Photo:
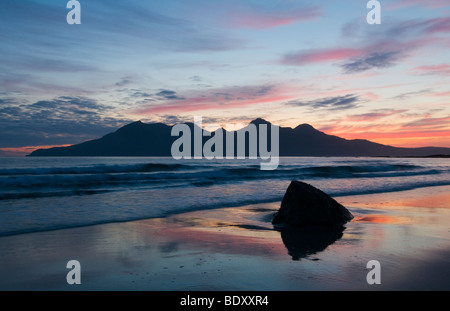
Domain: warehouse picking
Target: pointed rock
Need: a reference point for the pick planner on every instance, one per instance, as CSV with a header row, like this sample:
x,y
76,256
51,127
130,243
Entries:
x,y
305,205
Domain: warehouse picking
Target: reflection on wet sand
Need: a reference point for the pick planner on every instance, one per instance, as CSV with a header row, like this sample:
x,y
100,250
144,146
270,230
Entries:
x,y
248,231
302,242
386,219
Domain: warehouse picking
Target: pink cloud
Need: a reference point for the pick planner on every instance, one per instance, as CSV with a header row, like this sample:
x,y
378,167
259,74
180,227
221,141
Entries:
x,y
438,25
429,123
220,99
443,94
374,116
375,55
372,96
319,56
442,69
367,92
262,18
429,3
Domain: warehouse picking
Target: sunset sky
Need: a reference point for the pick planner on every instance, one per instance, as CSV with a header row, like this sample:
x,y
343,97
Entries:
x,y
287,61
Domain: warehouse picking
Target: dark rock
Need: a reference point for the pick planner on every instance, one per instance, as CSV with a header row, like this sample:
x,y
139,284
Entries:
x,y
305,205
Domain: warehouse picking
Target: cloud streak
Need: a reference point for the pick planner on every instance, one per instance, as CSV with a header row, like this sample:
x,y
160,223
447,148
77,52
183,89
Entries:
x,y
330,103
434,4
219,99
429,123
377,60
442,70
319,56
375,116
353,60
262,18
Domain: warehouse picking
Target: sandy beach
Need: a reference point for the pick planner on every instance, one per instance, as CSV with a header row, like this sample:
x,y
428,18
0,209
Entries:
x,y
236,248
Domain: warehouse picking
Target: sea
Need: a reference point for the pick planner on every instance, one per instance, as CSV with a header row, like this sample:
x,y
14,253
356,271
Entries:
x,y
48,193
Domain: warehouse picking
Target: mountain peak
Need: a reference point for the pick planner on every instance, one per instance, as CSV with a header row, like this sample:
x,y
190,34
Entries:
x,y
305,126
134,124
137,125
259,121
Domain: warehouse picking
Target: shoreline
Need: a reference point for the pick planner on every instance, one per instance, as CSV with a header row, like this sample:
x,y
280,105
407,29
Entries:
x,y
236,248
175,213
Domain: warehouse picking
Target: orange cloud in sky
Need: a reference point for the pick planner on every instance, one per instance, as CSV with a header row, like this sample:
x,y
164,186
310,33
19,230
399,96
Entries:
x,y
393,127
393,136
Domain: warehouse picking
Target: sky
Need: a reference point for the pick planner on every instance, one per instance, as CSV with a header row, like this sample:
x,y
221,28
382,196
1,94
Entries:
x,y
287,61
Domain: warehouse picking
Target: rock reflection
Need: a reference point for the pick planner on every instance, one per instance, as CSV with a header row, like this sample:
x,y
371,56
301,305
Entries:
x,y
304,241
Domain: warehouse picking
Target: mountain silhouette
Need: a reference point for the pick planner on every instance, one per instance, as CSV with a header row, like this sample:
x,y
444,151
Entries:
x,y
154,139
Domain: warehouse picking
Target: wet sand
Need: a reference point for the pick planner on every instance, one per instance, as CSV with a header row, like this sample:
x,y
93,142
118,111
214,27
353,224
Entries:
x,y
237,248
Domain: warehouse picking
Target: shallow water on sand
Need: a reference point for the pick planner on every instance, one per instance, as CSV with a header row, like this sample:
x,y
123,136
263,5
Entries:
x,y
237,249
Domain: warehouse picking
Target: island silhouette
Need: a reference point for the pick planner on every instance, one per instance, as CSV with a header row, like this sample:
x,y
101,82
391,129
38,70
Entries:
x,y
155,140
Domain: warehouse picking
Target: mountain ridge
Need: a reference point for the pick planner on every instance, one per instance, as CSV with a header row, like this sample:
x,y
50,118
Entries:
x,y
154,139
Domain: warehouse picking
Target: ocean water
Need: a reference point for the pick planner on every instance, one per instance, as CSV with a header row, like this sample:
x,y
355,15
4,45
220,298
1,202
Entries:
x,y
38,194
